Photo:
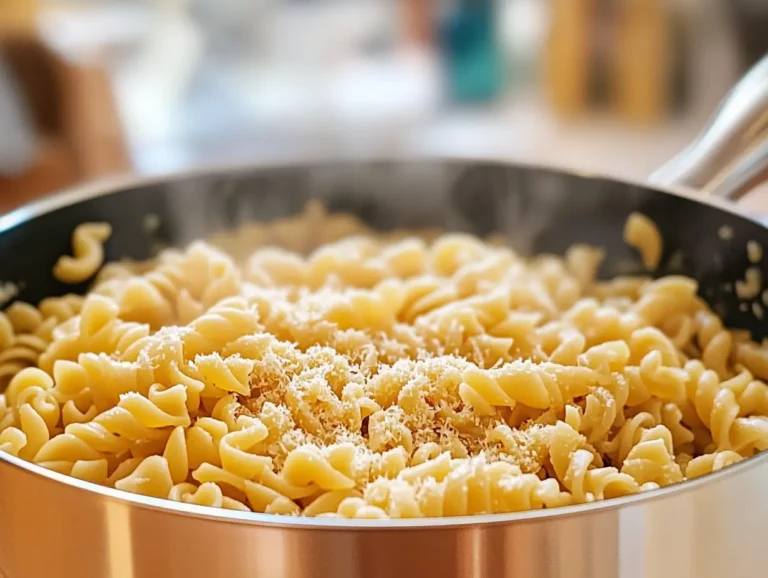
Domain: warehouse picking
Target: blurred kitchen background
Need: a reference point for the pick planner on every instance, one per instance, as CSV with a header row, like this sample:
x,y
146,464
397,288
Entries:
x,y
91,88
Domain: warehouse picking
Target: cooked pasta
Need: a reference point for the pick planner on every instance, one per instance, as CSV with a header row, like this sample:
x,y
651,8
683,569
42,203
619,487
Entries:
x,y
375,377
643,234
87,243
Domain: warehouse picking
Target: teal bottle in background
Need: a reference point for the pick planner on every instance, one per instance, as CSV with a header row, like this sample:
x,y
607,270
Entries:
x,y
471,54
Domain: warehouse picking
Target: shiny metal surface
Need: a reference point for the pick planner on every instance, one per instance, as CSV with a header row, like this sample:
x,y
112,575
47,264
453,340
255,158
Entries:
x,y
744,175
740,122
707,529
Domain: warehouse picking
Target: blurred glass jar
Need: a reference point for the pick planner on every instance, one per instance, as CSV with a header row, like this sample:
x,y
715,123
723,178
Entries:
x,y
470,49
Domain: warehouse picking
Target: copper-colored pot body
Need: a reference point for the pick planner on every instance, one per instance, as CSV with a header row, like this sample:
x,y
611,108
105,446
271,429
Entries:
x,y
712,528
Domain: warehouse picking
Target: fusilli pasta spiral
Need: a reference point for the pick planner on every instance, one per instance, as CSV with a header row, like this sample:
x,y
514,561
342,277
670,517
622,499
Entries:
x,y
87,241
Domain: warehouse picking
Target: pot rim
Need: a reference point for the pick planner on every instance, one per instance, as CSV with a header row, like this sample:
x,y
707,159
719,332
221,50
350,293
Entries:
x,y
109,185
112,185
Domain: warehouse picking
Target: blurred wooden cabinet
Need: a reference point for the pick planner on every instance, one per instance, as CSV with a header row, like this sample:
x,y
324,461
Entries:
x,y
79,131
17,17
611,54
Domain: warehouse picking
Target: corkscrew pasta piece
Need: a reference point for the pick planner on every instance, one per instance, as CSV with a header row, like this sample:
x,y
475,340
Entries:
x,y
377,376
25,333
574,466
455,488
221,324
751,394
714,342
666,297
206,494
223,375
12,440
599,323
716,407
61,308
87,241
651,460
682,436
643,234
152,477
538,386
708,463
599,415
329,470
329,502
655,378
234,451
754,357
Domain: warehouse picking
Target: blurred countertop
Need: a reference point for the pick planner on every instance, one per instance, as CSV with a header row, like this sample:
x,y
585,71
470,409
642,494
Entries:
x,y
182,107
520,131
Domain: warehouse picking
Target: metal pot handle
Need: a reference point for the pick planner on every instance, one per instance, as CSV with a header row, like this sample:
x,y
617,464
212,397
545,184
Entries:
x,y
730,156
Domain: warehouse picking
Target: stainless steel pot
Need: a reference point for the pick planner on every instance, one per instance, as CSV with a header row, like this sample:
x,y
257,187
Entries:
x,y
713,527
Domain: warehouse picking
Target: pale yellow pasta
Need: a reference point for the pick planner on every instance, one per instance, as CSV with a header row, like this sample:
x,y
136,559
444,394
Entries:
x,y
651,460
643,234
707,463
152,477
329,502
751,286
754,251
26,332
206,494
575,468
87,241
337,373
